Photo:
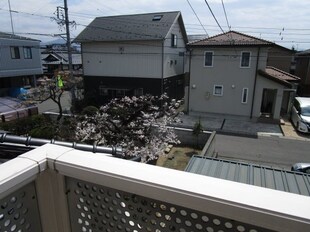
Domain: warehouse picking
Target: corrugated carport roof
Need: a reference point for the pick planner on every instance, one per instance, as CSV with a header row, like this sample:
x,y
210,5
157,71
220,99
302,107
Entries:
x,y
261,176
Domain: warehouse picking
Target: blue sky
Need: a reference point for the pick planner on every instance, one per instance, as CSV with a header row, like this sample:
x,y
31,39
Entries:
x,y
286,22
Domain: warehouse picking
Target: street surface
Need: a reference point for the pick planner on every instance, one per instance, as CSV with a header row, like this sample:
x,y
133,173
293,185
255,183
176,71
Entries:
x,y
278,152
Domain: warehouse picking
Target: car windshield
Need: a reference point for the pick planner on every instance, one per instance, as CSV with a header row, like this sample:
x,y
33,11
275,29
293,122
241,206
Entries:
x,y
305,111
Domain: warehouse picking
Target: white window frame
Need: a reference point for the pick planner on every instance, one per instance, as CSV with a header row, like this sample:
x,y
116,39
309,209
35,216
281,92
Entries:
x,y
249,59
27,52
217,94
245,90
204,59
15,52
174,40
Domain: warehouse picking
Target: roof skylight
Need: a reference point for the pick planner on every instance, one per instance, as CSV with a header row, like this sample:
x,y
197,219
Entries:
x,y
157,17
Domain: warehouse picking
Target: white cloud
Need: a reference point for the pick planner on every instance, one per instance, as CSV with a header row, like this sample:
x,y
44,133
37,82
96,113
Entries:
x,y
289,14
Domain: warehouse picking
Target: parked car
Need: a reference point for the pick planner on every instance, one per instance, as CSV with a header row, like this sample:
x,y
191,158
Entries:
x,y
300,115
301,167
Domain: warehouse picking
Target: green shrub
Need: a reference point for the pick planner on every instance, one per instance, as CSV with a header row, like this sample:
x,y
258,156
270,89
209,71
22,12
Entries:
x,y
89,110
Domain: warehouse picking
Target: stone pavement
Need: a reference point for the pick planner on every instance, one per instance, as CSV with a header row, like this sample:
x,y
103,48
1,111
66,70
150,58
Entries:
x,y
231,125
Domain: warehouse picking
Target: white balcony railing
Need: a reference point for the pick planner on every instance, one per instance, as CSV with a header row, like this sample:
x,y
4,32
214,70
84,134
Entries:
x,y
55,188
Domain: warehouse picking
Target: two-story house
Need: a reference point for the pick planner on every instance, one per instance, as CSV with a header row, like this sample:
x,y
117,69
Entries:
x,y
229,76
20,62
134,55
303,71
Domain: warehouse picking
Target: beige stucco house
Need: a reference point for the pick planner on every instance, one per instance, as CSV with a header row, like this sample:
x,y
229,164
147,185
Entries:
x,y
229,76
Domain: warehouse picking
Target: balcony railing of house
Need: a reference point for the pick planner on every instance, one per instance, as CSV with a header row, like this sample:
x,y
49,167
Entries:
x,y
54,188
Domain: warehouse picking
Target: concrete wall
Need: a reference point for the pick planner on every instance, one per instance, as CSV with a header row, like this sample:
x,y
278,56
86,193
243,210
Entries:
x,y
19,67
226,71
188,139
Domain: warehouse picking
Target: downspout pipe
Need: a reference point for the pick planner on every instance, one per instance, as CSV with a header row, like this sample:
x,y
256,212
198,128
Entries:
x,y
189,79
162,66
255,82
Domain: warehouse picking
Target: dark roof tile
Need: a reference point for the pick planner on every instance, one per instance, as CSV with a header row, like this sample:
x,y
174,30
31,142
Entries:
x,y
131,27
232,38
279,76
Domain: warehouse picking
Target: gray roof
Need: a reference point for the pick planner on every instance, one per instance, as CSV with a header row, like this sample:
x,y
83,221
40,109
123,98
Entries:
x,y
267,177
12,36
131,27
61,57
305,52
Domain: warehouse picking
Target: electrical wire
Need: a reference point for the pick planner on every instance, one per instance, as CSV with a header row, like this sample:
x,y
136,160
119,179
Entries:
x,y
197,17
228,26
214,16
258,28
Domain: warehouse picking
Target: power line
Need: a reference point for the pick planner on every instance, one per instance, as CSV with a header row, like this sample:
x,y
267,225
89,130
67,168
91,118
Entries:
x,y
197,17
259,28
214,16
225,15
189,24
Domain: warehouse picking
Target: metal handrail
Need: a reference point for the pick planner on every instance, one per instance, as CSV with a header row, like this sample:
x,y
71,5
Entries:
x,y
29,141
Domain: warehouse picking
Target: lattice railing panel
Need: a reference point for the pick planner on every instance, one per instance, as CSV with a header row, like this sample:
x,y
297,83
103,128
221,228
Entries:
x,y
19,211
98,208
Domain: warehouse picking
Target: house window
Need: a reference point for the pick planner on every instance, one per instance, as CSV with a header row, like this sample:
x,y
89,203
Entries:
x,y
120,92
15,53
208,59
245,59
245,92
103,91
27,53
139,92
174,40
218,90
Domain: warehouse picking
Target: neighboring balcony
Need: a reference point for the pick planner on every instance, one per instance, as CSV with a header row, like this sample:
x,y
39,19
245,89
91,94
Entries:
x,y
54,188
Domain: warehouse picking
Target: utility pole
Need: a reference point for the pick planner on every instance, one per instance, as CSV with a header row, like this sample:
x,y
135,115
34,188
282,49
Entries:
x,y
11,17
68,39
63,20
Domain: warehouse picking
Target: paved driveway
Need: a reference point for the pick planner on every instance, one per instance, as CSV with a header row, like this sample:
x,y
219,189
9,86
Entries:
x,y
289,131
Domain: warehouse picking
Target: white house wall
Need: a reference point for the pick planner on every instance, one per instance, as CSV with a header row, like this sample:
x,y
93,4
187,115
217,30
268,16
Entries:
x,y
19,67
226,71
123,59
173,61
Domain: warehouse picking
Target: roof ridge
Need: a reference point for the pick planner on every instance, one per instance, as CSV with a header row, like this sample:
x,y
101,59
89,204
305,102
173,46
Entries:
x,y
154,13
231,39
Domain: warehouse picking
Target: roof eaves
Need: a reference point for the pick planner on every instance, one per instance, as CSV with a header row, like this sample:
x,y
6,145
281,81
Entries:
x,y
284,73
275,79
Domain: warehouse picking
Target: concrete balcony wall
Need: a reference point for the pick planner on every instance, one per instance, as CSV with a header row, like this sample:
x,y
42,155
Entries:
x,y
73,190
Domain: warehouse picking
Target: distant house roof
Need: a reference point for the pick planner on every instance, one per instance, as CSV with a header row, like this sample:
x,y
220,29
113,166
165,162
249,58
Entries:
x,y
261,176
303,53
279,76
60,57
12,36
151,26
231,38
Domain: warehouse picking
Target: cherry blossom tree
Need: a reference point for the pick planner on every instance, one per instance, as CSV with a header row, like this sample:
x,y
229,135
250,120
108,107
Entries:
x,y
137,124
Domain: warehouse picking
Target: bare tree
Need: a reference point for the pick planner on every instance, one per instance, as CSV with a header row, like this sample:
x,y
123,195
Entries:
x,y
51,89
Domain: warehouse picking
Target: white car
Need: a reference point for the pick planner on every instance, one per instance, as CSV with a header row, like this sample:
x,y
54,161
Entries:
x,y
300,114
301,167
